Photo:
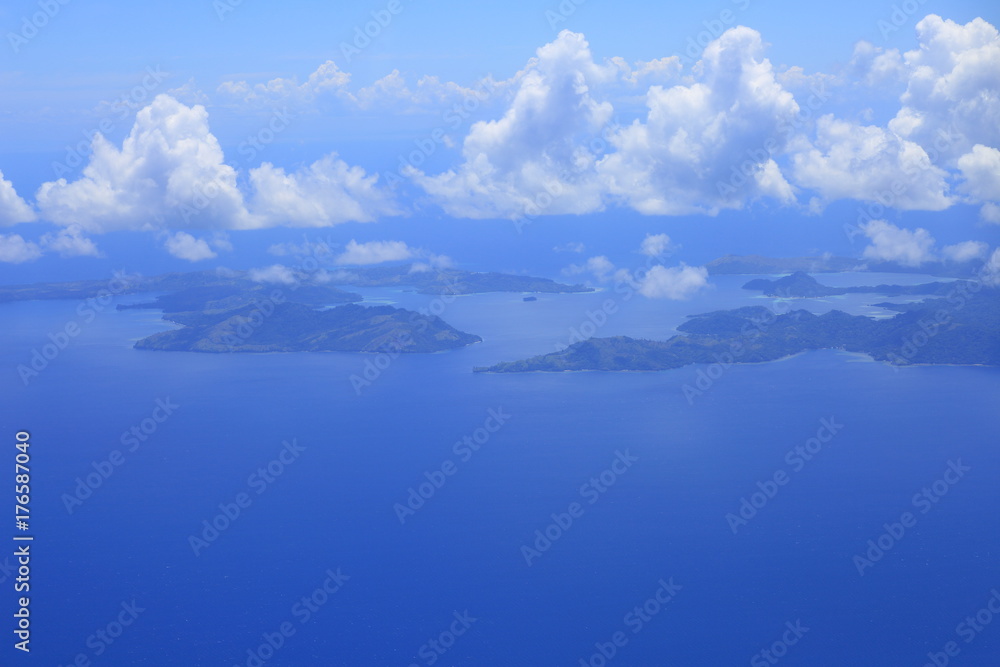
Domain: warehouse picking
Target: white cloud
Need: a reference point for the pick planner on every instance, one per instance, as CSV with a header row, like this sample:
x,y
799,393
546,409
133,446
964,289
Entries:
x,y
13,209
171,173
990,212
276,274
184,246
868,163
875,66
327,192
537,156
991,270
600,266
981,169
14,249
677,282
374,252
707,146
966,251
951,101
655,245
307,247
570,246
890,243
328,80
70,242
169,165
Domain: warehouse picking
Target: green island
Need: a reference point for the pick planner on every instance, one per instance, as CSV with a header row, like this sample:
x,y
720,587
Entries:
x,y
228,311
962,327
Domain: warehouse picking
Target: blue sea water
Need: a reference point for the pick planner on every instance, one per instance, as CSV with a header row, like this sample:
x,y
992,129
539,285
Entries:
x,y
461,555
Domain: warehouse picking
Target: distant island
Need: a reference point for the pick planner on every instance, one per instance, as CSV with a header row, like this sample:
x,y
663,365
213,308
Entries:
x,y
801,284
758,264
445,281
294,327
963,328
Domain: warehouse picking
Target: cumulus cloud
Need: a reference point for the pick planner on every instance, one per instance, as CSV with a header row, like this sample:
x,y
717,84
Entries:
x,y
981,169
991,270
170,164
850,161
875,66
13,209
707,146
965,251
951,102
275,274
655,245
15,250
327,192
327,80
538,155
171,173
990,212
374,252
890,243
676,283
70,242
600,266
184,246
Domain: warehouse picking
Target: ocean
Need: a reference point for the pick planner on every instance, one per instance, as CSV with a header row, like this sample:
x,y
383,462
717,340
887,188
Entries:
x,y
346,509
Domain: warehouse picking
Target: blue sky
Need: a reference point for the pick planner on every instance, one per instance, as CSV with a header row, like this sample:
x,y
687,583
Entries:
x,y
583,110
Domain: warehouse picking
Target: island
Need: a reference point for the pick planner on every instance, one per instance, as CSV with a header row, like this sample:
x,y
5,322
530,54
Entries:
x,y
241,311
294,327
802,285
962,328
758,264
